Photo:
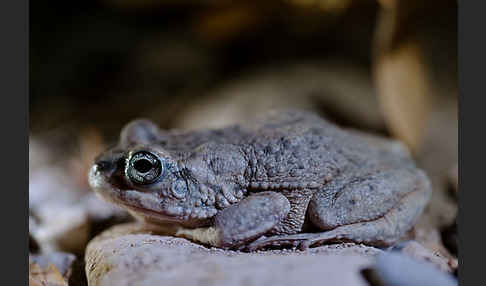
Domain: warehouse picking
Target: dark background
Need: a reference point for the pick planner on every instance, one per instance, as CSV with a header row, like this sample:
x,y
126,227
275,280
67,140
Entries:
x,y
109,61
387,67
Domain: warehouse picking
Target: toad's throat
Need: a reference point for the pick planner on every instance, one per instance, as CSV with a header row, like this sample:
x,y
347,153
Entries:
x,y
152,215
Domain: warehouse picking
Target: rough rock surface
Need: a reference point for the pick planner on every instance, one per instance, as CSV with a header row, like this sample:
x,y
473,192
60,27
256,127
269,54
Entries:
x,y
131,254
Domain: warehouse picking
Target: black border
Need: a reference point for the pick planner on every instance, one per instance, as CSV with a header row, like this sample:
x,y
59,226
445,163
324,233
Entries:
x,y
471,64
14,29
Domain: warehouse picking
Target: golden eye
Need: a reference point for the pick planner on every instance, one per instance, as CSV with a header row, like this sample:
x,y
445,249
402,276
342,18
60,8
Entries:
x,y
144,167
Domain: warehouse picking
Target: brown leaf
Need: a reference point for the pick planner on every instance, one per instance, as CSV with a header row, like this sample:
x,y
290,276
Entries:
x,y
223,23
49,276
403,91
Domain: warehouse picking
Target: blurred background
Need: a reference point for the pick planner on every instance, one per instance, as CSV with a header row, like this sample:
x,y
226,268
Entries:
x,y
383,66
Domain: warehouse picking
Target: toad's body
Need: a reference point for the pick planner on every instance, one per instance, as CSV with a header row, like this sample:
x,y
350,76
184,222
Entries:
x,y
289,178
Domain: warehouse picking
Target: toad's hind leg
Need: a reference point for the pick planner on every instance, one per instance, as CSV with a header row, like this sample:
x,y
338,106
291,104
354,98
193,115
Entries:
x,y
383,231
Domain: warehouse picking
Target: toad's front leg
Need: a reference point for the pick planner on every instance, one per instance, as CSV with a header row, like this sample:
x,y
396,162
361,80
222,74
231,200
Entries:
x,y
242,222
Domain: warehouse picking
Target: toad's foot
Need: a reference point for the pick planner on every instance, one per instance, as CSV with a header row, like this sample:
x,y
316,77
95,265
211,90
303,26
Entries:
x,y
301,241
357,233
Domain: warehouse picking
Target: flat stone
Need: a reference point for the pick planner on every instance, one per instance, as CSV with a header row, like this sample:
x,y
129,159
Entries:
x,y
130,254
398,269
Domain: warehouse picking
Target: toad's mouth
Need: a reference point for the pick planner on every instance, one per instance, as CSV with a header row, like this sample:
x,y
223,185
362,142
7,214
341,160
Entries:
x,y
152,216
141,205
138,210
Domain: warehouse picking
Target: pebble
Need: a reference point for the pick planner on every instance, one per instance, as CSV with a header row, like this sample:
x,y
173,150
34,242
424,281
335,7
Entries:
x,y
397,269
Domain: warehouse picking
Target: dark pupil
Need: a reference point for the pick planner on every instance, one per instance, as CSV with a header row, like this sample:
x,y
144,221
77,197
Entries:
x,y
143,165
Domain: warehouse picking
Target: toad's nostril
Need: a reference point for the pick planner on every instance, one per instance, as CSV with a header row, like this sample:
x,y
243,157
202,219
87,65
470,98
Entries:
x,y
104,165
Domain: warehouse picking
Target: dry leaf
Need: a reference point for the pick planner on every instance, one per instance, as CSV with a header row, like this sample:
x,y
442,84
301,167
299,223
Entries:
x,y
45,277
403,91
223,23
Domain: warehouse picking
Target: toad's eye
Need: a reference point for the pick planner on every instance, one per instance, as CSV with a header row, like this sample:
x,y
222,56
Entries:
x,y
143,167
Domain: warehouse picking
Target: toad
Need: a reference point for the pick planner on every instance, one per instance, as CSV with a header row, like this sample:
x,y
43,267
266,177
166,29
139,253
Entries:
x,y
289,178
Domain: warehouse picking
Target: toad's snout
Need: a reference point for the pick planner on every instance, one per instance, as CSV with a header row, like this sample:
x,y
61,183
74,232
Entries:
x,y
109,163
95,176
107,170
103,166
100,171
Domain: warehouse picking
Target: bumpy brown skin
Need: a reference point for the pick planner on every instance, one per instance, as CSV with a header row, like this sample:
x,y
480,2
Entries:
x,y
289,178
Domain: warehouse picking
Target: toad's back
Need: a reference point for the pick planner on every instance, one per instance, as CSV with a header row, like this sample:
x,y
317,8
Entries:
x,y
293,147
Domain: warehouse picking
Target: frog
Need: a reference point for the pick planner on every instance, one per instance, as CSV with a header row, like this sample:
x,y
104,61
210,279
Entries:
x,y
288,178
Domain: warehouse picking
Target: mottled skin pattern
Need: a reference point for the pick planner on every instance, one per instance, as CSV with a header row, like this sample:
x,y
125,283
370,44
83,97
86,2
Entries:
x,y
287,179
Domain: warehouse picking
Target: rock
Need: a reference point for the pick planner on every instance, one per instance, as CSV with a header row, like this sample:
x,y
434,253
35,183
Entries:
x,y
62,228
131,254
63,216
397,269
51,184
418,252
67,226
